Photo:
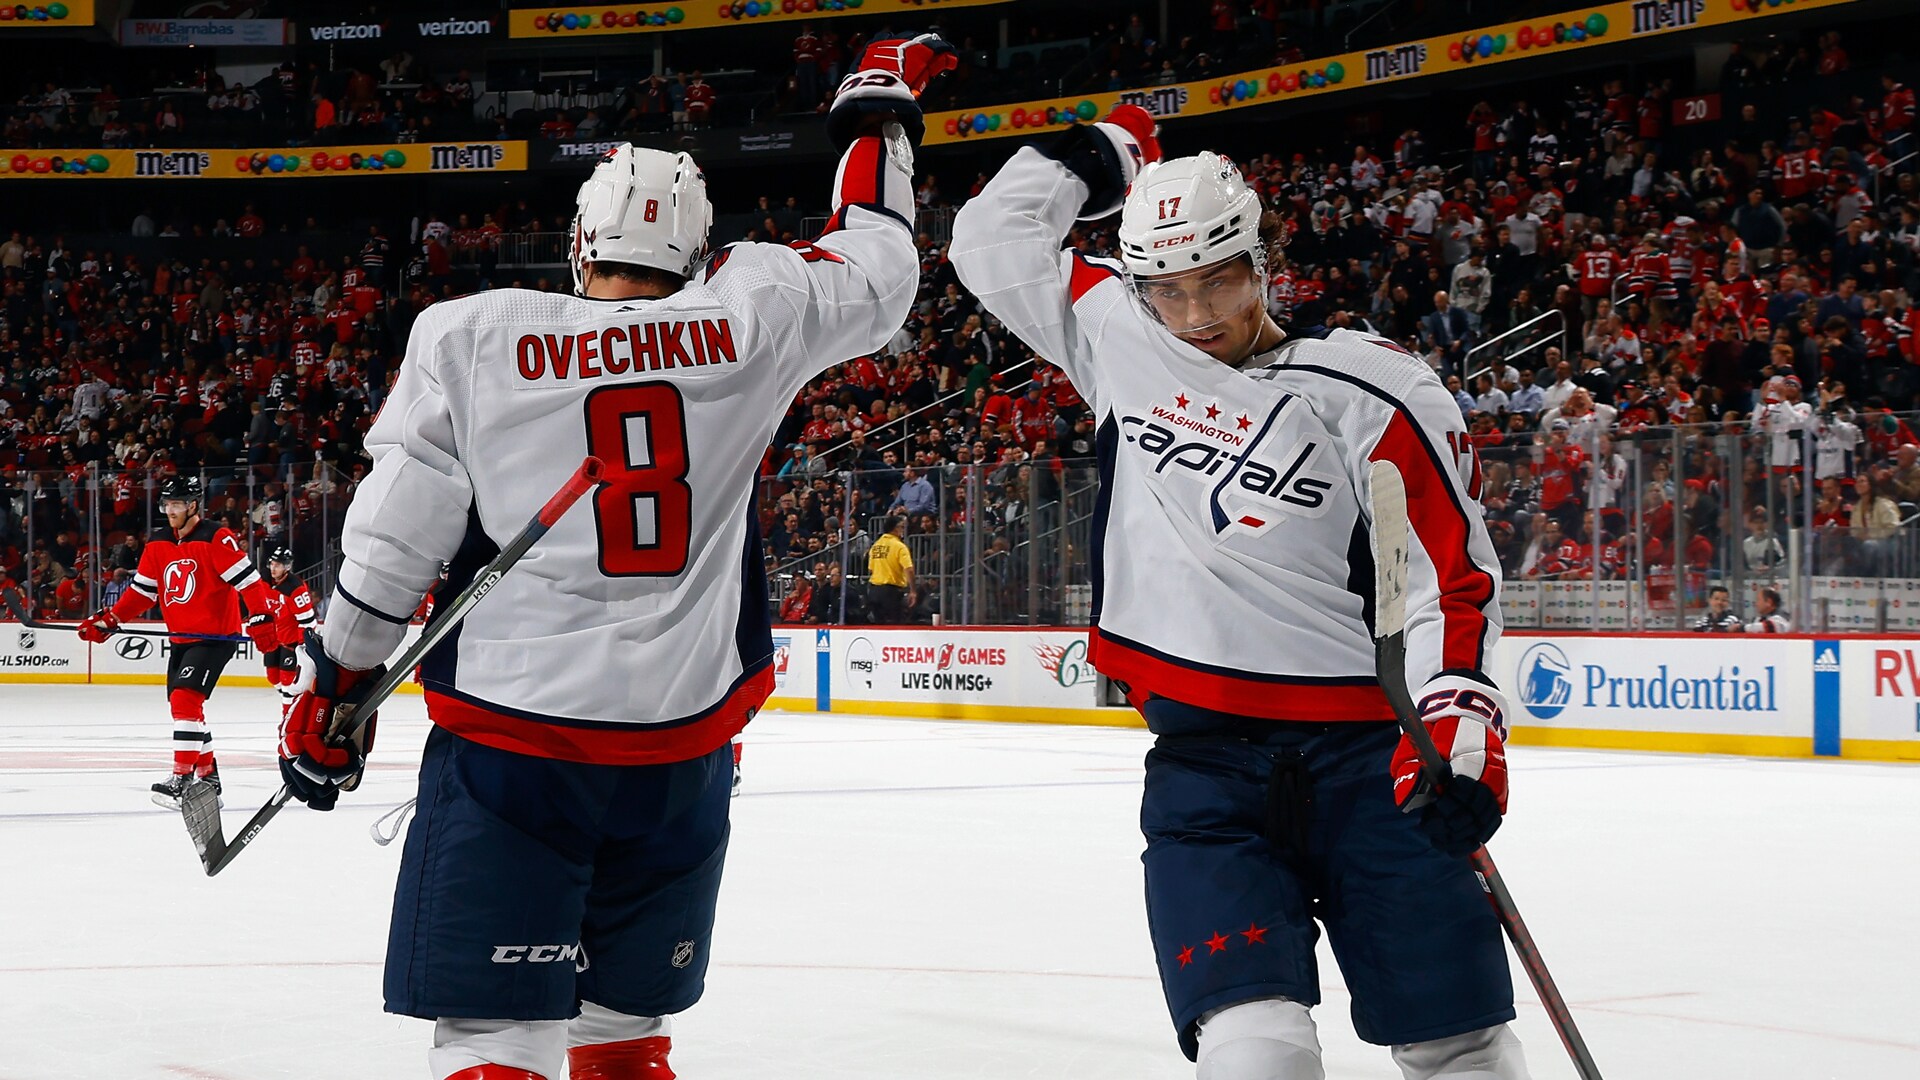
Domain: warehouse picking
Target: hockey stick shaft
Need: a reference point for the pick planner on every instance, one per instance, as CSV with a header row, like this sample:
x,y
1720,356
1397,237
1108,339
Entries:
x,y
32,623
1391,659
1392,539
348,720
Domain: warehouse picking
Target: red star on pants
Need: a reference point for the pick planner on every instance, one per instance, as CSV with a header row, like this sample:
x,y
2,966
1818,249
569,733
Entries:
x,y
1213,411
1181,400
1186,956
1255,935
1217,943
1244,422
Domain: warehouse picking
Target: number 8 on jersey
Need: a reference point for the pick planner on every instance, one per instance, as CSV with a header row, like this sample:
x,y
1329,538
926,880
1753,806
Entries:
x,y
643,509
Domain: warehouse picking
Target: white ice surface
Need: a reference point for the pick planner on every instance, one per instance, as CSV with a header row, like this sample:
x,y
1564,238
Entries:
x,y
929,901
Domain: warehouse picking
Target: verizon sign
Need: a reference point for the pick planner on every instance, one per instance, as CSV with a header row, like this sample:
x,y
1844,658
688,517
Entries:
x,y
347,32
456,28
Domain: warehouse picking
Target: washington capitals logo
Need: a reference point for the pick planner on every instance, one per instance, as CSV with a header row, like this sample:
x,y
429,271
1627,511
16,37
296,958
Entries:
x,y
1250,487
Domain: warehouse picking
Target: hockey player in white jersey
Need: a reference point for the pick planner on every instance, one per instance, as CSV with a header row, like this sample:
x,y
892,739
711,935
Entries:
x,y
556,896
1247,477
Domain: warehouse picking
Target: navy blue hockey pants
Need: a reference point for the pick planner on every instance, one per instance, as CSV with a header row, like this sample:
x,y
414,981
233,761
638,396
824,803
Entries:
x,y
529,884
1258,829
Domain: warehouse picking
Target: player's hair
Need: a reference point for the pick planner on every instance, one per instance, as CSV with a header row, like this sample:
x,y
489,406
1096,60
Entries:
x,y
1772,594
1275,231
639,275
1716,589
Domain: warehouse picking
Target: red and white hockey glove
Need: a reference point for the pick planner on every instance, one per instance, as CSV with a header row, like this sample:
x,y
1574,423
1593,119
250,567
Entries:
x,y
886,85
316,770
98,626
1108,155
1467,718
260,628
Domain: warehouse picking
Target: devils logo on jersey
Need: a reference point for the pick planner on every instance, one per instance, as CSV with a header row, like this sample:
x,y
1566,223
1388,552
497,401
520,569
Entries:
x,y
178,581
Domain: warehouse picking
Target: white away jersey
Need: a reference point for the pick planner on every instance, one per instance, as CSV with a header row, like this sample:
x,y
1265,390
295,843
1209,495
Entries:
x,y
1233,536
1786,424
635,631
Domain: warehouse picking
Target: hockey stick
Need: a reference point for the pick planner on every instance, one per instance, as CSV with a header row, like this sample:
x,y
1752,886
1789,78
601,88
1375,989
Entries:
x,y
200,805
32,623
1390,527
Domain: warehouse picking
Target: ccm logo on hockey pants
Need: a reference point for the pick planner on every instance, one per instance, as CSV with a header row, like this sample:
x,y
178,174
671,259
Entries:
x,y
535,954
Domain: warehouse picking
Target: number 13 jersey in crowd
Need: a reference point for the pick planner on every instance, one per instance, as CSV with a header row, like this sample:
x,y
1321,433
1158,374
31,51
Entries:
x,y
636,631
1233,537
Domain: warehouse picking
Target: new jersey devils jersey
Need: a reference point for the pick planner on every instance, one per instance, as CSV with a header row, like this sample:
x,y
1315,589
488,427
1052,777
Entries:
x,y
292,606
636,631
197,579
1233,538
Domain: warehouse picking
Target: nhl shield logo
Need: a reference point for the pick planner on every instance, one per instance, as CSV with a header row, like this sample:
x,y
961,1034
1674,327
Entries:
x,y
27,641
683,954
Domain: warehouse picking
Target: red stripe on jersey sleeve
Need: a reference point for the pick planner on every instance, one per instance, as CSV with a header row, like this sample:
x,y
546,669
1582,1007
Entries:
x,y
1268,699
1433,509
861,178
1085,276
639,745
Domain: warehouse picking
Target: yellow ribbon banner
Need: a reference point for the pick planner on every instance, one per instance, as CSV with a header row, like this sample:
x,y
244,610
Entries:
x,y
1543,35
194,164
702,15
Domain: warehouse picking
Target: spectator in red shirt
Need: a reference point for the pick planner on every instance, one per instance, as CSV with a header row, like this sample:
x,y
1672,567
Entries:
x,y
249,225
806,68
997,409
1032,417
700,101
1833,58
1896,116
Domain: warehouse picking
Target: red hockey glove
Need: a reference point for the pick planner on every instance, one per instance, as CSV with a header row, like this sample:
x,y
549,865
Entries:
x,y
1468,721
887,84
99,626
916,61
315,770
260,629
1140,126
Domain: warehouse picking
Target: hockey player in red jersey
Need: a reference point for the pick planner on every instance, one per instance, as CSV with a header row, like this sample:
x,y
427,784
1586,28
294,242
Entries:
x,y
198,573
1252,478
293,616
556,898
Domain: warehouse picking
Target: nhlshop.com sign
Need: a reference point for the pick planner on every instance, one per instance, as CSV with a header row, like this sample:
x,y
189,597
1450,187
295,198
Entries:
x,y
26,651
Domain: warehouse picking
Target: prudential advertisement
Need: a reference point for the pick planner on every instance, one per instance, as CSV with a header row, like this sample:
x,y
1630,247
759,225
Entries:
x,y
1726,685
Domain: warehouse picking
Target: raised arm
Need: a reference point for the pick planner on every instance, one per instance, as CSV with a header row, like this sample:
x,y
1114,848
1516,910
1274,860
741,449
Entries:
x,y
846,292
1006,240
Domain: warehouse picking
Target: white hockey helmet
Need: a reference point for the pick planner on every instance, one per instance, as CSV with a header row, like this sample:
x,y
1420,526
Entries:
x,y
1186,213
641,206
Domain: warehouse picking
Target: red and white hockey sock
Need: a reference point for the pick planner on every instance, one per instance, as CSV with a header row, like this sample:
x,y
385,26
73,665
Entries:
x,y
635,1059
603,1044
738,748
192,741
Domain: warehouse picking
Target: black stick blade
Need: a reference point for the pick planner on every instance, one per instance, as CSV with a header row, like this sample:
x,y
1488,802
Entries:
x,y
200,808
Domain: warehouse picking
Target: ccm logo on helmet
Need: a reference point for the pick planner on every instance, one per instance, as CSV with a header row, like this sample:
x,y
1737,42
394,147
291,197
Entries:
x,y
1174,241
